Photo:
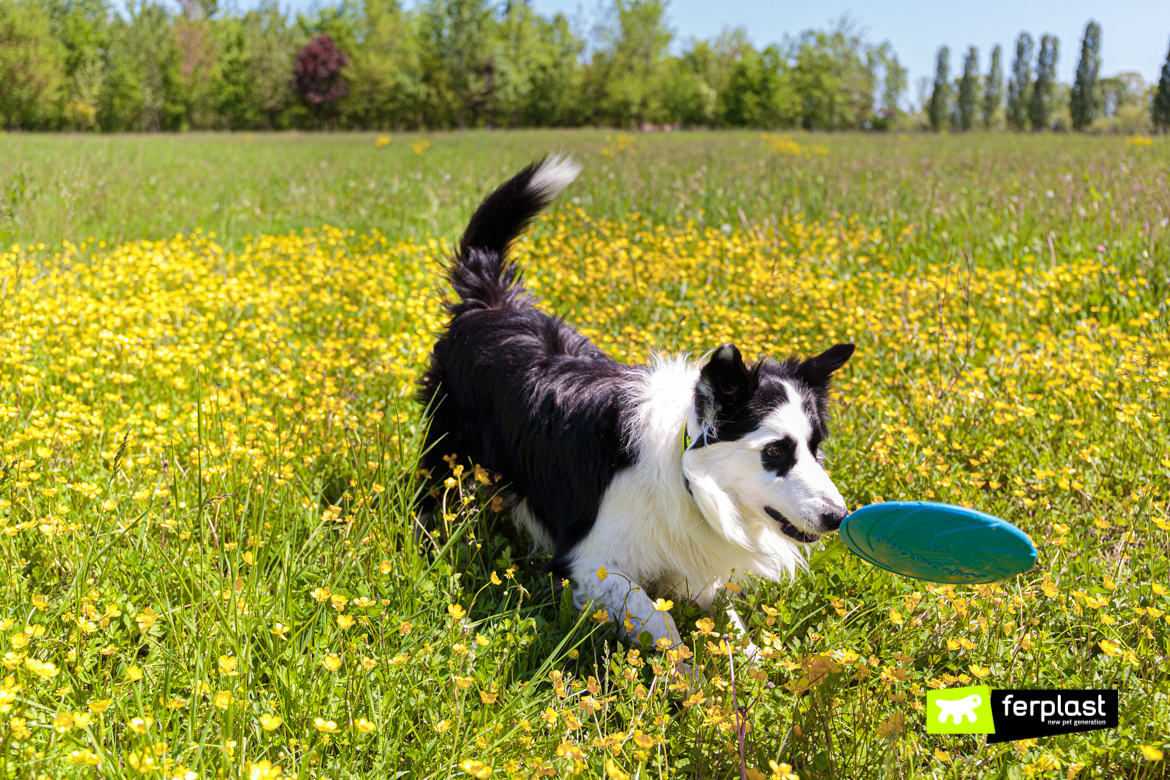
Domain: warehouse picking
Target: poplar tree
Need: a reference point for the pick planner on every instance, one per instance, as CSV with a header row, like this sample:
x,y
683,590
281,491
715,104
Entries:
x,y
1161,108
940,98
993,89
1020,85
969,90
1084,100
1040,109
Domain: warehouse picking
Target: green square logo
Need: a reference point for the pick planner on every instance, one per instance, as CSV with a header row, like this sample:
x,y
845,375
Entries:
x,y
959,711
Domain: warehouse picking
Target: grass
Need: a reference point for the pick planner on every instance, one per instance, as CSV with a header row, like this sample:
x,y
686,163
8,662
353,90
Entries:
x,y
209,452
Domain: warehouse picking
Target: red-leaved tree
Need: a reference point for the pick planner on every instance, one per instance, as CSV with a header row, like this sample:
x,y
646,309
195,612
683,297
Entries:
x,y
317,75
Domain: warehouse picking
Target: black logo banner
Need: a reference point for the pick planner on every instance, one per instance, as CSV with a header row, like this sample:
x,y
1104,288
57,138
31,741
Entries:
x,y
1026,714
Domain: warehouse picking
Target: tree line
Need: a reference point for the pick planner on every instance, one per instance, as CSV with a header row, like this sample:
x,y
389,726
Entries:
x,y
1032,99
76,64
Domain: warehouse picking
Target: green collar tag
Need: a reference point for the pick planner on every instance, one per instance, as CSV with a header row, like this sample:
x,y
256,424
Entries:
x,y
686,438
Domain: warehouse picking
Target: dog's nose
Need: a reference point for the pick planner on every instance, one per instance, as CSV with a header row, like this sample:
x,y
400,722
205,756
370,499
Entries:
x,y
832,520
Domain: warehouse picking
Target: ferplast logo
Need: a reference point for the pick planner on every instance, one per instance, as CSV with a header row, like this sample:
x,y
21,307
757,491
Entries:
x,y
959,711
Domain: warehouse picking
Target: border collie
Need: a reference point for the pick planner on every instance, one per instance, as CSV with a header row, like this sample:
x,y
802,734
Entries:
x,y
670,477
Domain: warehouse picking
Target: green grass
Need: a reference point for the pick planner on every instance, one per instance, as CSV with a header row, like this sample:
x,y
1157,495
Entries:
x,y
203,438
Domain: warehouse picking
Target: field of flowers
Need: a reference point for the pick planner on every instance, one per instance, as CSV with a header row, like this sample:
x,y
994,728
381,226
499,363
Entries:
x,y
208,456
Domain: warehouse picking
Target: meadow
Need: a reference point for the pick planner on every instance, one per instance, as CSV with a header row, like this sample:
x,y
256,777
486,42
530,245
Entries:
x,y
208,453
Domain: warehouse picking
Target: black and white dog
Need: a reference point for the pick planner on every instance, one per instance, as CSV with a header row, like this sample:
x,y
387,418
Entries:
x,y
668,476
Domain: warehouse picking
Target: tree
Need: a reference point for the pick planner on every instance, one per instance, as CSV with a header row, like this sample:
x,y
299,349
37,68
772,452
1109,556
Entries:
x,y
968,103
894,79
628,69
832,78
385,76
456,38
1020,84
1084,102
1040,109
317,75
940,96
537,73
993,88
1160,113
757,93
32,67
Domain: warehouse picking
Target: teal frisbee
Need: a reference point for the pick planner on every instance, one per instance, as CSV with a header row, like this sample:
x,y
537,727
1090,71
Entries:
x,y
938,542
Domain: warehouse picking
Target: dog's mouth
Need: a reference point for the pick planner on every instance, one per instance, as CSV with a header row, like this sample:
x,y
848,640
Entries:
x,y
789,529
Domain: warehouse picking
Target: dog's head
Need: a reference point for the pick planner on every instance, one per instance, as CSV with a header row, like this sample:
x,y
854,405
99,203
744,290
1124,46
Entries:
x,y
754,465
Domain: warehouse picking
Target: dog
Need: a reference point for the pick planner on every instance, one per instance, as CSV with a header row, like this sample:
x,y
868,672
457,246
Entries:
x,y
641,480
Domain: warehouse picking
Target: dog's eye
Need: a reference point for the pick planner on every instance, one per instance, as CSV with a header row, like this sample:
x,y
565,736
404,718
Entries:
x,y
780,456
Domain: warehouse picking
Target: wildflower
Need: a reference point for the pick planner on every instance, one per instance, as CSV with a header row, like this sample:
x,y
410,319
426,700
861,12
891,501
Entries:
x,y
732,586
488,698
280,630
364,726
344,621
477,769
320,594
228,664
979,671
222,700
706,627
331,662
62,722
363,603
495,579
338,602
456,611
1151,753
405,627
896,617
443,726
270,722
385,567
146,619
134,672
101,705
663,605
1107,647
368,663
464,682
85,756
601,574
140,725
44,670
325,726
263,770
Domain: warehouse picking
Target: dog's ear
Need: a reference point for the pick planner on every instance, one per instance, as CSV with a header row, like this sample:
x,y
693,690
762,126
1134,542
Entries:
x,y
816,371
725,385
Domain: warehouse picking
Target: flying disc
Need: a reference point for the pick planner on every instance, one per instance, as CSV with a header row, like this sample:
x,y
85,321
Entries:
x,y
937,542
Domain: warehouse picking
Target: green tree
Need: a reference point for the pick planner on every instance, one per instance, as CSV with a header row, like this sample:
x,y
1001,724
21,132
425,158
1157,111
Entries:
x,y
993,87
385,77
893,81
1020,85
968,102
1160,110
536,74
81,27
628,69
456,40
758,93
1043,91
32,67
832,80
1084,102
940,97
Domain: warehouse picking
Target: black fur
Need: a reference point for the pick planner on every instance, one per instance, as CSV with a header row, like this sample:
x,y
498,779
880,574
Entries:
x,y
520,392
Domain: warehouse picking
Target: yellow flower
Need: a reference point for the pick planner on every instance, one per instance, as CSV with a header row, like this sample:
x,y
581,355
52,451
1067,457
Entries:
x,y
325,726
979,671
363,603
100,706
601,574
228,664
338,602
464,682
382,140
270,722
896,617
488,698
942,755
140,725
81,719
456,611
1107,647
344,621
733,587
331,662
644,741
477,769
222,700
706,626
385,567
612,770
405,627
134,673
263,770
320,594
1151,753
63,722
663,605
280,630
368,663
146,618
443,726
84,756
364,726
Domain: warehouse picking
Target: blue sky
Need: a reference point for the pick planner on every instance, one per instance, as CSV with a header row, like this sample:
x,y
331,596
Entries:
x,y
1135,33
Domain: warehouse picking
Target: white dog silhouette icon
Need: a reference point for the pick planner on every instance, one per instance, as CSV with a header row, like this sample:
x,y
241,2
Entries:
x,y
963,708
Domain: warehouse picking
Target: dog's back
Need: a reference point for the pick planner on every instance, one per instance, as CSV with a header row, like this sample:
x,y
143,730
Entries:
x,y
515,390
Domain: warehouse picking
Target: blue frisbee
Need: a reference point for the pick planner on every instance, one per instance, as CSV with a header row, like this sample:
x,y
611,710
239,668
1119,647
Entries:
x,y
938,542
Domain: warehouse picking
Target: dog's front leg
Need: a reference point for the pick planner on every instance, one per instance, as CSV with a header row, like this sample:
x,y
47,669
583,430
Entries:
x,y
751,651
628,606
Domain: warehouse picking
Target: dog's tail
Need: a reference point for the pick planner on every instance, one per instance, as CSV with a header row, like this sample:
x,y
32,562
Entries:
x,y
481,273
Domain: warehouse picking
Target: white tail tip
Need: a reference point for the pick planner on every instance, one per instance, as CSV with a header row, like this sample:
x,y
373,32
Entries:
x,y
553,175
